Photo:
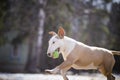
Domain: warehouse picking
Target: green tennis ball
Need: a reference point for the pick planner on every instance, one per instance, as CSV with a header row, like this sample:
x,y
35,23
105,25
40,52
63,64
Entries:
x,y
55,54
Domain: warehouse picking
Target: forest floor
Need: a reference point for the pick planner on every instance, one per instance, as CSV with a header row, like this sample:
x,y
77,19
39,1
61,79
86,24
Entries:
x,y
19,76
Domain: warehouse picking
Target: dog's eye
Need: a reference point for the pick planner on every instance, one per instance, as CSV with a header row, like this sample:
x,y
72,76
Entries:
x,y
53,42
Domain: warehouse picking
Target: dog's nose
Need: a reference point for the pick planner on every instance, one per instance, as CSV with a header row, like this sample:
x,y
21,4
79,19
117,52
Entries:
x,y
48,54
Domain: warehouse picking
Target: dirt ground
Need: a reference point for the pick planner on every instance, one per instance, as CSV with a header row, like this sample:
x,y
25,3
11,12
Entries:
x,y
6,76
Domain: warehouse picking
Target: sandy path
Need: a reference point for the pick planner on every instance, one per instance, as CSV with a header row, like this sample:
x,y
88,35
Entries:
x,y
52,77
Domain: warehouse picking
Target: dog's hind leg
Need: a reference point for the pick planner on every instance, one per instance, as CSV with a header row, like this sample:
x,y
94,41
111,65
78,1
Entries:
x,y
63,73
109,67
110,77
107,73
106,69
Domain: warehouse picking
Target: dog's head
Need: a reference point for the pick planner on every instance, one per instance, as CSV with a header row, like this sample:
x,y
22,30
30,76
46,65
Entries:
x,y
56,41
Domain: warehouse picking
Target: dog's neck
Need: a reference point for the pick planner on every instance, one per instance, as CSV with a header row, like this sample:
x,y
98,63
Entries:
x,y
69,45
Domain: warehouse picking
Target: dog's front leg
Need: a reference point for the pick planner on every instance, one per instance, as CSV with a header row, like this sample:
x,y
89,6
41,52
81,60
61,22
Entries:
x,y
63,72
67,63
56,70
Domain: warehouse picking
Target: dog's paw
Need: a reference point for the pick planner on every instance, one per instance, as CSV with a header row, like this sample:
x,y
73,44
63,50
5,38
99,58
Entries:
x,y
48,71
52,71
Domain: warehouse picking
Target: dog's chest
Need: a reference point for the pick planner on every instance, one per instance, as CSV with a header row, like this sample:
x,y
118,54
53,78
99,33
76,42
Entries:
x,y
89,66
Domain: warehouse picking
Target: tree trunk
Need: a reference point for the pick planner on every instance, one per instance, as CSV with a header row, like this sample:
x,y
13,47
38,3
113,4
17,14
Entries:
x,y
33,60
40,30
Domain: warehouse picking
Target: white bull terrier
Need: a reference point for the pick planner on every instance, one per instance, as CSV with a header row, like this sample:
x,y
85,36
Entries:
x,y
80,56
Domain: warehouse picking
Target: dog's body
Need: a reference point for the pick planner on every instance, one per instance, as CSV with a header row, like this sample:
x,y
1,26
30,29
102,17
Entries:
x,y
81,56
87,57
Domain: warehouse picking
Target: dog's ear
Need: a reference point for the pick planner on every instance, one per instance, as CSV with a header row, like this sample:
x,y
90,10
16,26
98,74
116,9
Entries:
x,y
61,32
52,33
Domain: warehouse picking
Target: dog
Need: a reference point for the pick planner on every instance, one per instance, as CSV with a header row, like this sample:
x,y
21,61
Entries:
x,y
78,55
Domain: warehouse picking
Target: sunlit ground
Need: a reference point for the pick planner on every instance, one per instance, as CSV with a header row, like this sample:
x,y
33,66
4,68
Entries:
x,y
4,76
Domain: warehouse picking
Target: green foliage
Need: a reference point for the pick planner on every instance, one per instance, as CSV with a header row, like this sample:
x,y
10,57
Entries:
x,y
69,7
105,29
3,8
108,1
53,2
2,40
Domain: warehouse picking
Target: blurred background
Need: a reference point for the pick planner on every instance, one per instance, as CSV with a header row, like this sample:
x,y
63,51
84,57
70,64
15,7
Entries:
x,y
24,27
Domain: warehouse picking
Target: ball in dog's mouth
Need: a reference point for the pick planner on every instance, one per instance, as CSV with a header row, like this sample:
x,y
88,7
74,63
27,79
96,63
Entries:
x,y
56,53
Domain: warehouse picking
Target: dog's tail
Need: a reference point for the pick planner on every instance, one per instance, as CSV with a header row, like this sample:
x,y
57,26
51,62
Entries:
x,y
116,52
